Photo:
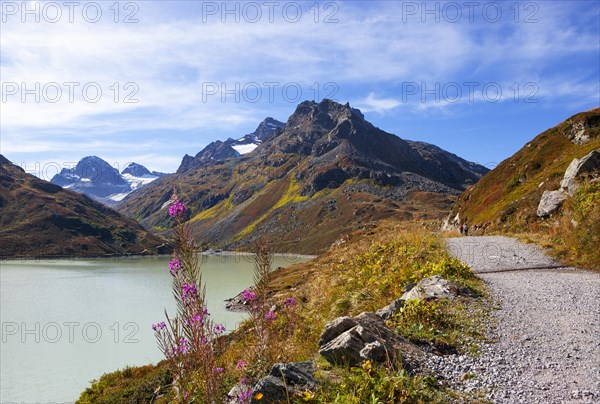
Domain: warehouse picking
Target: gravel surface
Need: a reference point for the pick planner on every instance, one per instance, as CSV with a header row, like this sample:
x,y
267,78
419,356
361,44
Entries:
x,y
546,343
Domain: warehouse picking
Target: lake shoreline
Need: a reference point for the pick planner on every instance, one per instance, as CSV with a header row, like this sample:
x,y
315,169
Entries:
x,y
116,256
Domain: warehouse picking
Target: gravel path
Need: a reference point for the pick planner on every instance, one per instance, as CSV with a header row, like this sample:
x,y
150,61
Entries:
x,y
546,345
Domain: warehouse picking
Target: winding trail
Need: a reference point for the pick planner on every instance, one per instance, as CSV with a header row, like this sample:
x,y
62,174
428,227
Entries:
x,y
546,343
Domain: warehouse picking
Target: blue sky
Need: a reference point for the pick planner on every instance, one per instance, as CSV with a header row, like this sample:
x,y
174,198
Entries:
x,y
479,79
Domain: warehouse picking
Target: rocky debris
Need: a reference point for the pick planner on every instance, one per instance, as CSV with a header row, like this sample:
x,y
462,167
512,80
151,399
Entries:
x,y
285,380
350,347
579,132
587,164
354,340
434,287
550,202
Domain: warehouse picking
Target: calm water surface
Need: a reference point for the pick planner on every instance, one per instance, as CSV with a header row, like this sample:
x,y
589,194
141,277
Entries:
x,y
66,322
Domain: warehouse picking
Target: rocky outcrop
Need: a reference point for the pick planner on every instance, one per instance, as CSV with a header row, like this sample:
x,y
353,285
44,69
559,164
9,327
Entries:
x,y
432,288
236,303
580,133
551,200
285,380
352,341
388,311
587,164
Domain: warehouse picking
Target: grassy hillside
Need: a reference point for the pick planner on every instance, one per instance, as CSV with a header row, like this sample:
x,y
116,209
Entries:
x,y
364,271
40,219
506,199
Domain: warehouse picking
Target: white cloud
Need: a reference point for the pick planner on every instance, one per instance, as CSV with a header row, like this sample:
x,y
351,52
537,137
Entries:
x,y
170,53
379,105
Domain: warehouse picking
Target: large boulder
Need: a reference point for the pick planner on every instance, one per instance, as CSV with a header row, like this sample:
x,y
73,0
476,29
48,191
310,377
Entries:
x,y
285,380
587,164
335,328
434,287
354,340
550,202
347,348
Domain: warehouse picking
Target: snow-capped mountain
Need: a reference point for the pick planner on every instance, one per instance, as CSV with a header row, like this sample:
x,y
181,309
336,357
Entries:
x,y
265,130
100,181
231,148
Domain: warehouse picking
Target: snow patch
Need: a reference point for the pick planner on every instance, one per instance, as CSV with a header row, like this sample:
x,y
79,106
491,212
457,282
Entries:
x,y
118,197
244,148
137,182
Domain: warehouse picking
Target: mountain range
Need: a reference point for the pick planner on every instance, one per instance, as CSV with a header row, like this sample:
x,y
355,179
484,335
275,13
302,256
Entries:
x,y
40,219
304,184
100,181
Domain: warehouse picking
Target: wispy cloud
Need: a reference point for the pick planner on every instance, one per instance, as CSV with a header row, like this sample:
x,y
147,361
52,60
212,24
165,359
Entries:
x,y
171,58
379,105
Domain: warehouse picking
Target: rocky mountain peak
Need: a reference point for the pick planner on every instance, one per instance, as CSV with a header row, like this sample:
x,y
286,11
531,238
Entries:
x,y
276,189
135,169
97,170
267,128
102,182
325,115
217,150
231,148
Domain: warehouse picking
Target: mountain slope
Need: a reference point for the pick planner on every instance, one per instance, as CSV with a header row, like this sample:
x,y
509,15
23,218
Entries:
x,y
219,150
100,181
329,171
507,199
40,219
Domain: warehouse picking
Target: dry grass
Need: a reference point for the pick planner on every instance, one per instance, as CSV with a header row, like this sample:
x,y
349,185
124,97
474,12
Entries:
x,y
364,271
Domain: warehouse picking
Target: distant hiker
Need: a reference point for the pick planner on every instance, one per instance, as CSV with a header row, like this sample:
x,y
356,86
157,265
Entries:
x,y
466,229
461,229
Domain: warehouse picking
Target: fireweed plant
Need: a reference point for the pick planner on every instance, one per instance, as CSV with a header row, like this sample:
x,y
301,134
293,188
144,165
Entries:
x,y
190,341
261,319
262,316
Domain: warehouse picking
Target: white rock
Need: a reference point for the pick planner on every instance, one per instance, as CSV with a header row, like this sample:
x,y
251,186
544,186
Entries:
x,y
550,202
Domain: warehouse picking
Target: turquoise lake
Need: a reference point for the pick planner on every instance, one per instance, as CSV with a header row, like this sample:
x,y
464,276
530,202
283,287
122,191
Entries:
x,y
67,322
